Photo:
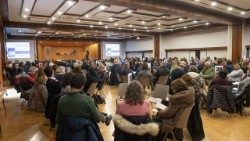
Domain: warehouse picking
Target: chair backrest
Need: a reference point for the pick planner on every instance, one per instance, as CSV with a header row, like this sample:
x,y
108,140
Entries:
x,y
183,119
161,91
119,78
125,78
163,79
144,80
92,89
122,89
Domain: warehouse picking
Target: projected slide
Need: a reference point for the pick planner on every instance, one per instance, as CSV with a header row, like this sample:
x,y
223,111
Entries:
x,y
112,50
18,50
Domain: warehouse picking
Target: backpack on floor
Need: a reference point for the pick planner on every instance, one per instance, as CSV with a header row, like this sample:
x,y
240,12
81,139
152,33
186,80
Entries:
x,y
98,99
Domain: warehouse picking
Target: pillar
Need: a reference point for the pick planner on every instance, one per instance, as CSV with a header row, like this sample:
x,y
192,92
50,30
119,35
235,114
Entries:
x,y
157,46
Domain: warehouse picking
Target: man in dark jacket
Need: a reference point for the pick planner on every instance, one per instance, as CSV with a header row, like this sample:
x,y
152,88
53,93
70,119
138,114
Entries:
x,y
92,76
54,89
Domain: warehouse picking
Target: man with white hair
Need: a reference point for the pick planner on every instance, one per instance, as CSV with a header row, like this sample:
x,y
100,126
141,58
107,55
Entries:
x,y
208,72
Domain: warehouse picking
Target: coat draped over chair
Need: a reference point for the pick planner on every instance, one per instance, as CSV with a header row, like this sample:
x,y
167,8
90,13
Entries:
x,y
134,128
220,96
71,128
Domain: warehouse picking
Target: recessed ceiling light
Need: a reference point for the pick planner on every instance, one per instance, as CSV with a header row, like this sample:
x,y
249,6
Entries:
x,y
53,18
26,9
70,2
39,32
194,21
159,28
102,7
129,11
145,27
163,16
159,24
106,27
171,29
185,27
214,3
86,16
78,21
207,23
147,30
142,22
91,26
116,24
230,8
59,13
130,25
24,16
134,29
100,23
111,19
180,19
120,28
84,34
197,0
48,22
243,13
108,35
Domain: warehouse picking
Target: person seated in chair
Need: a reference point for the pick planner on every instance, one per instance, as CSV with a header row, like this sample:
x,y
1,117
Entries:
x,y
23,81
207,73
237,74
161,71
132,116
77,107
126,70
92,76
181,99
220,94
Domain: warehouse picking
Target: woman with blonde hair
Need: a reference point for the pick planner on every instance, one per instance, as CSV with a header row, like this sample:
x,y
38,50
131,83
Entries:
x,y
38,98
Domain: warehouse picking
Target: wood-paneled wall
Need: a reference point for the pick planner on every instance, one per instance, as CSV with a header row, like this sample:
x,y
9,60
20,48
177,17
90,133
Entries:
x,y
60,50
236,42
2,53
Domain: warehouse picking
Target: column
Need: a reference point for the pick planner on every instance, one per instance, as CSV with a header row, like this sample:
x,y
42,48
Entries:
x,y
234,42
157,46
2,57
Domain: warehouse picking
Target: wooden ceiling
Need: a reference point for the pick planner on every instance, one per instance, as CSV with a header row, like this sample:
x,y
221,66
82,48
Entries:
x,y
108,19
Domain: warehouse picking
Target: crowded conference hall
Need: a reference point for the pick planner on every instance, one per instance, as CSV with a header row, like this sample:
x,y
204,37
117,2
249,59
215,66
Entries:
x,y
124,70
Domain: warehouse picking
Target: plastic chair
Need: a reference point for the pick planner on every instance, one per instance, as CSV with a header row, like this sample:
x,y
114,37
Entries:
x,y
162,80
121,91
181,121
161,91
125,78
2,101
92,89
119,78
144,80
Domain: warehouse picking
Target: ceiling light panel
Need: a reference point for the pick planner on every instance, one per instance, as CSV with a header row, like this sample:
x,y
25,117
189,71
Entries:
x,y
78,7
62,10
26,9
97,10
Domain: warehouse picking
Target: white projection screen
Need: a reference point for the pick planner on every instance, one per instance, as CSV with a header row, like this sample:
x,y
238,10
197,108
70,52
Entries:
x,y
18,50
112,50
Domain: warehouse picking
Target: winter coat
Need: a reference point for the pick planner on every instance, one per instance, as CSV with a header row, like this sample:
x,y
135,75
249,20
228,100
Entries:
x,y
220,95
38,98
134,128
236,75
71,128
177,103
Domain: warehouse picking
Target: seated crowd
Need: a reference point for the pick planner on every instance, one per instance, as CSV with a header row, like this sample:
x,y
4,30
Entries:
x,y
60,89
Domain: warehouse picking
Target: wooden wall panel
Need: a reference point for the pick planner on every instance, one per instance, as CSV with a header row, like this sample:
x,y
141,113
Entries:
x,y
236,42
157,46
2,56
65,48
